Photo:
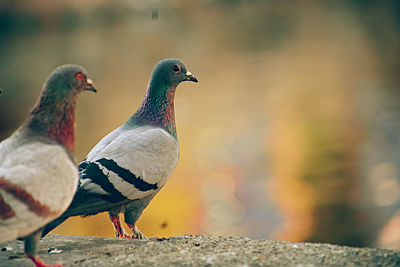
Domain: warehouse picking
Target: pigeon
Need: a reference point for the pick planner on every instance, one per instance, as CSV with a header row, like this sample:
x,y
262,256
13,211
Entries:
x,y
129,166
38,173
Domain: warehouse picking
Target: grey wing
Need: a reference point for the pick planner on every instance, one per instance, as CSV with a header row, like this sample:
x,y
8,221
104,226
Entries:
x,y
133,166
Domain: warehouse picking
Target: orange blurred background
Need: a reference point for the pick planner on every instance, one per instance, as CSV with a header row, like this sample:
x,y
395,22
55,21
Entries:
x,y
292,132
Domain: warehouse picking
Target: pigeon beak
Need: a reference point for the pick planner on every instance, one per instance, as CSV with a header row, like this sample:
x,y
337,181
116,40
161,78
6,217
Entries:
x,y
90,86
190,77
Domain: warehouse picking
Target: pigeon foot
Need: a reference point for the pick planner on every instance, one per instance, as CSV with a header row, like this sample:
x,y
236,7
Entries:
x,y
136,234
39,263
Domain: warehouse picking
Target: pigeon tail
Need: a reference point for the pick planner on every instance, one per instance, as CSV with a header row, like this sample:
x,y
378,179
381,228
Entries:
x,y
50,226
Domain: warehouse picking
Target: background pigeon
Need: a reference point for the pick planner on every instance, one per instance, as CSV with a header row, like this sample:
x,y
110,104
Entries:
x,y
130,165
38,174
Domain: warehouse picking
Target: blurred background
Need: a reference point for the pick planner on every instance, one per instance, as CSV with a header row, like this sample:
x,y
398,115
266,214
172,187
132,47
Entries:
x,y
292,132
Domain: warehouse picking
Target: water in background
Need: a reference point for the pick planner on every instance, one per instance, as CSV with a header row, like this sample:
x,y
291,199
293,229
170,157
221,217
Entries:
x,y
292,132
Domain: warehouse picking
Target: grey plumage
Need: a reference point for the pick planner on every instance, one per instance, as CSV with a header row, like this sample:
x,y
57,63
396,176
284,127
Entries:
x,y
130,165
38,174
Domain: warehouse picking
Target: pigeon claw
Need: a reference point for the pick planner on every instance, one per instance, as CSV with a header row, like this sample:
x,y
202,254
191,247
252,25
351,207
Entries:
x,y
39,263
136,234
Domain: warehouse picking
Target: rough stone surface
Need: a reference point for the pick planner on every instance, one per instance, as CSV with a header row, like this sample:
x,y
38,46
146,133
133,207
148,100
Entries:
x,y
194,251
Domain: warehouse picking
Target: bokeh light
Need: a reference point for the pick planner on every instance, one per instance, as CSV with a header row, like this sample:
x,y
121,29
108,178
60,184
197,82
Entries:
x,y
292,132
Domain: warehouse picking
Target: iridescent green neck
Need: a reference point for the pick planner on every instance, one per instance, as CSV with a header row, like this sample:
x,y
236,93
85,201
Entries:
x,y
157,108
54,117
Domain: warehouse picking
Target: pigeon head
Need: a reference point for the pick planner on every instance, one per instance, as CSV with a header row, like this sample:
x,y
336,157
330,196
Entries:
x,y
171,72
66,80
53,115
157,108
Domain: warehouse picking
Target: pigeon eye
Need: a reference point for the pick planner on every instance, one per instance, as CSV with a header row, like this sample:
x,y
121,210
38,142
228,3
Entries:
x,y
79,76
176,68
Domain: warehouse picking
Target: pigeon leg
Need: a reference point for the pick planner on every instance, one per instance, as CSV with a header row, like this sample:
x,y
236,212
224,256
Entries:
x,y
131,217
119,230
30,247
136,234
133,211
39,263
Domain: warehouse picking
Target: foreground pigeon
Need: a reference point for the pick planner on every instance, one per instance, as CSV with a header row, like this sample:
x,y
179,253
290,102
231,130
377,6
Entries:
x,y
38,174
129,166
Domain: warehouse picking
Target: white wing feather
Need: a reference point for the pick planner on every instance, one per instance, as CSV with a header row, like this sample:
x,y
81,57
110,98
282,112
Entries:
x,y
46,172
150,153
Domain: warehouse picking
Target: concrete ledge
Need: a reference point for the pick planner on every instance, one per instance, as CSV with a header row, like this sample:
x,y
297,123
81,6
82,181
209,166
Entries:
x,y
194,251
